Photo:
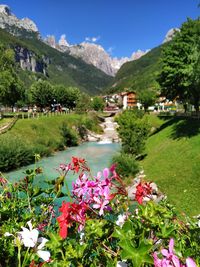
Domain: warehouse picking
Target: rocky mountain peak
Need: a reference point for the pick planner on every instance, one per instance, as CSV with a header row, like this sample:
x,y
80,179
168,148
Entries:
x,y
92,53
15,26
170,34
63,41
4,9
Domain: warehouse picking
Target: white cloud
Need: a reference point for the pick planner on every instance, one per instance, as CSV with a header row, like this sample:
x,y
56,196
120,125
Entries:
x,y
92,39
110,50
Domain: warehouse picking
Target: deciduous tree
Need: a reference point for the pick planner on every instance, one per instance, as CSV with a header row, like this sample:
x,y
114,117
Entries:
x,y
42,94
11,87
180,75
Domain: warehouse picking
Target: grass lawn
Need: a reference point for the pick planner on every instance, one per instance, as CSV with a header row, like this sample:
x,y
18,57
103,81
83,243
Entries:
x,y
46,130
5,121
172,161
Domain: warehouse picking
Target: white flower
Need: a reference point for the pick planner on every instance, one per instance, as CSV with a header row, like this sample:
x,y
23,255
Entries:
x,y
121,264
45,255
82,235
8,234
29,237
120,220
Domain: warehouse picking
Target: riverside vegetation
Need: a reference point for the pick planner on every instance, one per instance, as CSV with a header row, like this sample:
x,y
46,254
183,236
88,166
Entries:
x,y
43,136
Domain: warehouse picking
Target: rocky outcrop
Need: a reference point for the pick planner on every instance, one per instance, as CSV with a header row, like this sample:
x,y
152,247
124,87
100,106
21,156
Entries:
x,y
15,26
96,55
170,34
28,61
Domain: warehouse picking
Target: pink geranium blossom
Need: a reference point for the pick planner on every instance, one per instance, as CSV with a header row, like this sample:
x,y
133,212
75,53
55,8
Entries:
x,y
169,258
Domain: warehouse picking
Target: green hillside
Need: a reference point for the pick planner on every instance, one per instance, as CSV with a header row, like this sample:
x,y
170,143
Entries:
x,y
172,161
62,68
139,74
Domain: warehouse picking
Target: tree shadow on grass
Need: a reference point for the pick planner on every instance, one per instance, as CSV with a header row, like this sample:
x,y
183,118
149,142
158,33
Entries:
x,y
187,127
169,122
182,127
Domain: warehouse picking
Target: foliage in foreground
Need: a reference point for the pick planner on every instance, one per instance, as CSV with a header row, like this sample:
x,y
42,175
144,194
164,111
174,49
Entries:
x,y
96,225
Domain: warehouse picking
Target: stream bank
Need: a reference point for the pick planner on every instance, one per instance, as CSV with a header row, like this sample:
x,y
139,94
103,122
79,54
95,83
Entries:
x,y
109,134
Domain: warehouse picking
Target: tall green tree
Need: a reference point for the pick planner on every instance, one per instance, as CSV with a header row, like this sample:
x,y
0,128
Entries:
x,y
98,103
84,103
180,75
133,131
66,96
11,87
147,98
42,94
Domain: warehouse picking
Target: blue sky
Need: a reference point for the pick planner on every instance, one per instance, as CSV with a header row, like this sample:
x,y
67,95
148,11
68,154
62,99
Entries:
x,y
120,26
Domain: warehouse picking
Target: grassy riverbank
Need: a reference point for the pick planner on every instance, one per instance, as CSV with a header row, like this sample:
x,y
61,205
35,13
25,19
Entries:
x,y
42,136
172,161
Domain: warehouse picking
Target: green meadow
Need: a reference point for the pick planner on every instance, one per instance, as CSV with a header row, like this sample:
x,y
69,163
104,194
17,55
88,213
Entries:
x,y
172,161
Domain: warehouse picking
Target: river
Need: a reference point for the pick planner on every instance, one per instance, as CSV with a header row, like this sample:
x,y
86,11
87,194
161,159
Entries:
x,y
98,156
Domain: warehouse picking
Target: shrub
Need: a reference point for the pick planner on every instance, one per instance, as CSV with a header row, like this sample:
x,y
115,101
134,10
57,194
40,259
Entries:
x,y
133,131
42,150
69,136
126,164
14,153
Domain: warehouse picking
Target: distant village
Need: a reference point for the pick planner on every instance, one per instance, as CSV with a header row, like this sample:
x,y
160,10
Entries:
x,y
129,100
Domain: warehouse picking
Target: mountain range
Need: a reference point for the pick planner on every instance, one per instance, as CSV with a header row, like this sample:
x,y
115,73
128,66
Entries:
x,y
85,65
93,54
37,60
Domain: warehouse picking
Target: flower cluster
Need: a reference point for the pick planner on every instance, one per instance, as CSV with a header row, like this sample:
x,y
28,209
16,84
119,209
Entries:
x,y
143,190
170,259
78,164
104,223
96,193
87,195
71,213
30,239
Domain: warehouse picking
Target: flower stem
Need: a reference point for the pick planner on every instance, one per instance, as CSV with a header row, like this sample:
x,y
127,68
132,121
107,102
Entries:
x,y
19,256
24,261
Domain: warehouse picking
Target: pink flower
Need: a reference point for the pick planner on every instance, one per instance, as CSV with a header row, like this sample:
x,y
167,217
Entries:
x,y
100,204
190,263
170,254
170,259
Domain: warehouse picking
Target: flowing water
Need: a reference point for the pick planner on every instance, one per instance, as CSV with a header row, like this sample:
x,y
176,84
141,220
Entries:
x,y
98,156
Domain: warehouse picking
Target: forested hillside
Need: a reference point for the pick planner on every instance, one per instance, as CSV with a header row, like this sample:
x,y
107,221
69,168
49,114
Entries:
x,y
60,68
140,74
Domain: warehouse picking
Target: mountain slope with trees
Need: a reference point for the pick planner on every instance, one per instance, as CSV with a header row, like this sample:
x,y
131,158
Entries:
x,y
140,74
61,68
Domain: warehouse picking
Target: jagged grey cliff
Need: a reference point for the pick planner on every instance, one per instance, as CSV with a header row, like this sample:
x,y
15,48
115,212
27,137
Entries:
x,y
15,26
93,54
27,60
23,27
96,55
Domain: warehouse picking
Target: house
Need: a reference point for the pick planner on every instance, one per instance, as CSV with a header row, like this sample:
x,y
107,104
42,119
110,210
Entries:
x,y
129,100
